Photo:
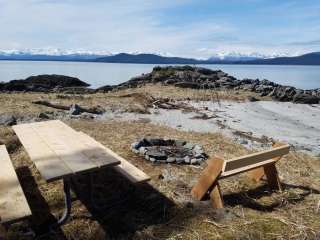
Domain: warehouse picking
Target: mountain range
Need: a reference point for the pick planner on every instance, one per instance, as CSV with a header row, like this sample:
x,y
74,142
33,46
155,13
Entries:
x,y
154,58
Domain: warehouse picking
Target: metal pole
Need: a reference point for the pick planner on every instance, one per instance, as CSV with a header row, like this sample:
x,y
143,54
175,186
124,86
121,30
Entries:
x,y
67,201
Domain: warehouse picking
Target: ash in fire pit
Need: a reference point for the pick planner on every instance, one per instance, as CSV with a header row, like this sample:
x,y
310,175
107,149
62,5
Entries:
x,y
169,151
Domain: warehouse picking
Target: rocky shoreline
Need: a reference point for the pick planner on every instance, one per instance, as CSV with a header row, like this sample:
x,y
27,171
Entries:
x,y
178,76
202,78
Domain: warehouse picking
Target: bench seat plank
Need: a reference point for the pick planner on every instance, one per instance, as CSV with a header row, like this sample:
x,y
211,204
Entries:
x,y
254,160
125,168
13,203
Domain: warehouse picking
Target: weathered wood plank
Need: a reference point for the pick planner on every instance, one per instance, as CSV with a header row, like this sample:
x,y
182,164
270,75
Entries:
x,y
67,151
93,151
13,203
125,168
251,161
50,166
208,177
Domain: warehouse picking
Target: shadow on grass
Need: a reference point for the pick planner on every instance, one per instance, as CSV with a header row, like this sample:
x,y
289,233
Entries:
x,y
41,217
248,198
127,208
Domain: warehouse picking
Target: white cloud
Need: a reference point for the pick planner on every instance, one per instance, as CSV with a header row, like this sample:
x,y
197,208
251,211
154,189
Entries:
x,y
136,25
98,25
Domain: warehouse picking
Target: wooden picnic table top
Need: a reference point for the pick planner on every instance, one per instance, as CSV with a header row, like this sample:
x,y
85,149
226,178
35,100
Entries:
x,y
59,152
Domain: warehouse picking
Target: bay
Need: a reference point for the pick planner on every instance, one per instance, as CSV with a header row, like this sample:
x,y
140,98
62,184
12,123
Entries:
x,y
100,74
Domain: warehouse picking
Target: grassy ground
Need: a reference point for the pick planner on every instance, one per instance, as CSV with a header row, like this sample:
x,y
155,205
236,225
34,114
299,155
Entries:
x,y
130,99
163,208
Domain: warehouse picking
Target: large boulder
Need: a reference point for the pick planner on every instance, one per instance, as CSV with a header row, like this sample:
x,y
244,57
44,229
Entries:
x,y
283,93
7,119
43,83
306,99
264,90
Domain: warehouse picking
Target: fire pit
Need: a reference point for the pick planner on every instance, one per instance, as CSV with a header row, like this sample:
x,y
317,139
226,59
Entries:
x,y
169,151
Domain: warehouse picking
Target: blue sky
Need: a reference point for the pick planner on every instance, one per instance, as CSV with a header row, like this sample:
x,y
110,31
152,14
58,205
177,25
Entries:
x,y
193,28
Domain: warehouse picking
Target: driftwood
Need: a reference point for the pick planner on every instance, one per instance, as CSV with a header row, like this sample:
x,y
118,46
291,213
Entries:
x,y
49,104
149,101
204,116
74,108
248,135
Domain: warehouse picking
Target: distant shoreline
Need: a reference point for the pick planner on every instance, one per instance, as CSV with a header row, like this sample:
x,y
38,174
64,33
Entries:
x,y
306,59
193,64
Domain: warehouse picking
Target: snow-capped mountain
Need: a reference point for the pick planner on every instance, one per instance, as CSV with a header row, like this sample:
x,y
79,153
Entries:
x,y
237,56
50,54
75,52
60,54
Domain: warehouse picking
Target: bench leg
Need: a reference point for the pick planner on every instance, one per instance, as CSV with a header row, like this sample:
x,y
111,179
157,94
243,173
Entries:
x,y
216,197
67,199
271,173
256,174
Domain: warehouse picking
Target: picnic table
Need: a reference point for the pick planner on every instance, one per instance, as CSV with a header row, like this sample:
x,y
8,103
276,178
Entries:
x,y
60,152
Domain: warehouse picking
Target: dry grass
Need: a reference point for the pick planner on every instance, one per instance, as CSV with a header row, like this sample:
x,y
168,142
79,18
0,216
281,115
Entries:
x,y
164,209
160,91
132,100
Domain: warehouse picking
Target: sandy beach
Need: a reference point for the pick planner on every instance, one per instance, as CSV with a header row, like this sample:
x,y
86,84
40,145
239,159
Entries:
x,y
297,124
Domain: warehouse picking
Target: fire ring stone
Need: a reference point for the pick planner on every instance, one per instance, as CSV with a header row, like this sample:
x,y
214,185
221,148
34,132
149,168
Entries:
x,y
169,151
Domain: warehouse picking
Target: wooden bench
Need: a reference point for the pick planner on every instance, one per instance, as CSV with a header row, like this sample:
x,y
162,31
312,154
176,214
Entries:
x,y
13,203
125,168
257,164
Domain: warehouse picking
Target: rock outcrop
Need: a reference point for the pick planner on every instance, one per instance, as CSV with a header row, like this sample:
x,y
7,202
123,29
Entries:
x,y
42,83
203,78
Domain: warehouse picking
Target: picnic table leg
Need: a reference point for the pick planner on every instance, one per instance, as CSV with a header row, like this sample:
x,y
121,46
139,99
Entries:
x,y
67,199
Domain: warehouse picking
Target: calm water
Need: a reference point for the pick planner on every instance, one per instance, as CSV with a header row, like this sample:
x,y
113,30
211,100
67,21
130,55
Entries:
x,y
99,74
